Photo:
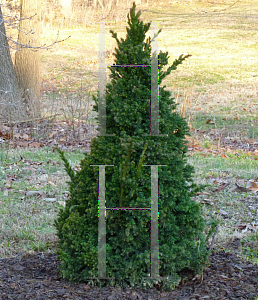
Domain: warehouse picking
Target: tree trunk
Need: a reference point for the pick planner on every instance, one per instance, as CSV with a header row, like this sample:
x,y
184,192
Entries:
x,y
27,59
11,107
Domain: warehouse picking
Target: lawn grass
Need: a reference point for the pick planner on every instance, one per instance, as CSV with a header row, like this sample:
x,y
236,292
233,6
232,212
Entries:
x,y
27,222
222,72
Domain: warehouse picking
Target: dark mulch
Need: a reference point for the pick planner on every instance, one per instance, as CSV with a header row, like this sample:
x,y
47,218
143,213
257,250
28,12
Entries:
x,y
36,277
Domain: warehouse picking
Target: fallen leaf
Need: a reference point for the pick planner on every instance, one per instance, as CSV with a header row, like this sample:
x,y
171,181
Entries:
x,y
252,185
34,193
6,135
241,189
246,227
207,201
203,193
50,199
35,145
51,183
8,183
221,187
22,144
223,213
86,287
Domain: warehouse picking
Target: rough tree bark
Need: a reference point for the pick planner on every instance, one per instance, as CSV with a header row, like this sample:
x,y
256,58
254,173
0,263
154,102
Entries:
x,y
11,107
27,59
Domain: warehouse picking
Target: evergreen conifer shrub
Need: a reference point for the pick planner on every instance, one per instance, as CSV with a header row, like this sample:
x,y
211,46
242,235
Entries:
x,y
128,154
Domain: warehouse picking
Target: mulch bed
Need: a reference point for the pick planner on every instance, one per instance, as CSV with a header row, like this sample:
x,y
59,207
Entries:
x,y
36,277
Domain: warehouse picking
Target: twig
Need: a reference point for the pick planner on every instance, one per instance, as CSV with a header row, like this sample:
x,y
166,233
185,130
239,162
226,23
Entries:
x,y
44,47
229,6
218,11
213,238
31,120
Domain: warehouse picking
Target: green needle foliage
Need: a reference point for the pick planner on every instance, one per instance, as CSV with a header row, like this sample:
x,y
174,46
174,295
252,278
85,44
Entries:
x,y
126,154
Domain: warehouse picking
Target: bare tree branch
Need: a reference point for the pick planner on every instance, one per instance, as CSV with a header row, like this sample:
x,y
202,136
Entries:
x,y
217,11
44,47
